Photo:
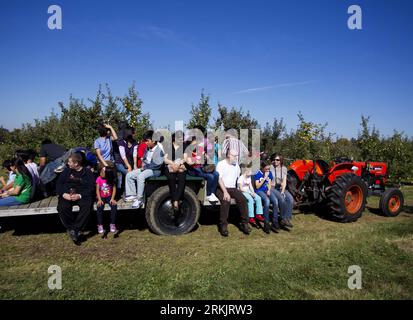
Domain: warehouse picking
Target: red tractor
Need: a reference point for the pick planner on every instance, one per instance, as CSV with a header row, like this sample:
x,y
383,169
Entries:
x,y
343,186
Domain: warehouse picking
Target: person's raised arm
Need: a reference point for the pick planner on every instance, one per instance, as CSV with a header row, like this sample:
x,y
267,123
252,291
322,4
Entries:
x,y
114,135
259,184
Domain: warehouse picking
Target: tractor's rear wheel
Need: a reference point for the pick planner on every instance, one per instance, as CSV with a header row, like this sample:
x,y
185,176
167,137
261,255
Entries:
x,y
347,197
164,220
391,202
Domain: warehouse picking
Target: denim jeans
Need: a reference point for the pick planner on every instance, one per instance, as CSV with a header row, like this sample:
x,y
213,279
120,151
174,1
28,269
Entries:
x,y
113,211
285,204
48,173
266,200
258,204
9,201
122,171
140,177
210,177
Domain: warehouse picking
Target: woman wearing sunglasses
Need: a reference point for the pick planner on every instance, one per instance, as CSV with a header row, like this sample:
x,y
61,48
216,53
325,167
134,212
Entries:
x,y
285,199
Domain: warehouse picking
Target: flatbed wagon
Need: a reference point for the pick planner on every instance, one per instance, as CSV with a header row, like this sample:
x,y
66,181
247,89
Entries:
x,y
159,213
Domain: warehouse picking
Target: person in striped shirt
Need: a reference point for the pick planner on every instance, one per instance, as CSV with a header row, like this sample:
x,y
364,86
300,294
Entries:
x,y
231,142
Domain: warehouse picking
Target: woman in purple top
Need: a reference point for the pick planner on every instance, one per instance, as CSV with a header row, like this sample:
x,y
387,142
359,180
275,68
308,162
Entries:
x,y
103,144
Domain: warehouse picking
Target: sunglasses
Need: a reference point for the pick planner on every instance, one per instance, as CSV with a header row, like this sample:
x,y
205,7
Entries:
x,y
276,159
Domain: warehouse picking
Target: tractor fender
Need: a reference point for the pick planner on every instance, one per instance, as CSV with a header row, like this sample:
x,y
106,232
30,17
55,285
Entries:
x,y
343,168
302,167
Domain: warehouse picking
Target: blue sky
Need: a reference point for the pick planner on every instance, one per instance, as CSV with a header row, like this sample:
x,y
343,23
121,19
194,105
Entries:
x,y
273,58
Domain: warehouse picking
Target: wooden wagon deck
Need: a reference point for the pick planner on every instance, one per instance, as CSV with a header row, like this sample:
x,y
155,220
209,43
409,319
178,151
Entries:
x,y
48,206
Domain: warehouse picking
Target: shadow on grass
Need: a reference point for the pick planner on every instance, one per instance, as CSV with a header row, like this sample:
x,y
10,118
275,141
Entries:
x,y
375,211
210,216
320,211
51,224
378,212
125,220
408,209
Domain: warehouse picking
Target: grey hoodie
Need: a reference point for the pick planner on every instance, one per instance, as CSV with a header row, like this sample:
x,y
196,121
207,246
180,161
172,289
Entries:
x,y
156,162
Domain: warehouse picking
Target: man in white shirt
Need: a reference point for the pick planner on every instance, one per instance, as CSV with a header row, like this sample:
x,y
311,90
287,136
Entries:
x,y
229,171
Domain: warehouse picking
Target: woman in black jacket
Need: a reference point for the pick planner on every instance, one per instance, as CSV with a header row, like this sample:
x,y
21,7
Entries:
x,y
175,169
75,186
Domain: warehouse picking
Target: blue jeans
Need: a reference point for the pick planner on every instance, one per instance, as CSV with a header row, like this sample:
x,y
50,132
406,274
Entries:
x,y
258,204
48,173
210,177
9,201
121,169
285,204
266,200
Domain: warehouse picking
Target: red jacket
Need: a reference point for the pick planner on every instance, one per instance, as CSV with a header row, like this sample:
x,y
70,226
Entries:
x,y
141,152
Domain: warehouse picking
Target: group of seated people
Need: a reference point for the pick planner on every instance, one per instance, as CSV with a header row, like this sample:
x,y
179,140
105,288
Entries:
x,y
120,166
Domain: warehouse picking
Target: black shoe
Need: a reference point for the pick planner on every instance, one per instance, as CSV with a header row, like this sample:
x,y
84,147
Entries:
x,y
253,224
288,223
223,230
245,229
74,236
267,228
284,225
275,228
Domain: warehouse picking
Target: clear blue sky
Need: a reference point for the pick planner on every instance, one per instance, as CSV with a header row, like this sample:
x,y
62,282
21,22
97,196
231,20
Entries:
x,y
295,55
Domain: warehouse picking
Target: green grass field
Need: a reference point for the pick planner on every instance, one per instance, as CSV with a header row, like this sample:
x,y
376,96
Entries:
x,y
311,262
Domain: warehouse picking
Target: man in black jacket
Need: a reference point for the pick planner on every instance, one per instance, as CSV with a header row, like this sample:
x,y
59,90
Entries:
x,y
75,186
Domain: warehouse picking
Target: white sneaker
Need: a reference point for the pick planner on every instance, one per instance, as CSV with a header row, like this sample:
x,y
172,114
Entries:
x,y
60,168
212,198
130,198
137,204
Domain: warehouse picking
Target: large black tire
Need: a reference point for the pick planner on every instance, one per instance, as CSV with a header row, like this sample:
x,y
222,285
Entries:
x,y
163,220
347,197
391,202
